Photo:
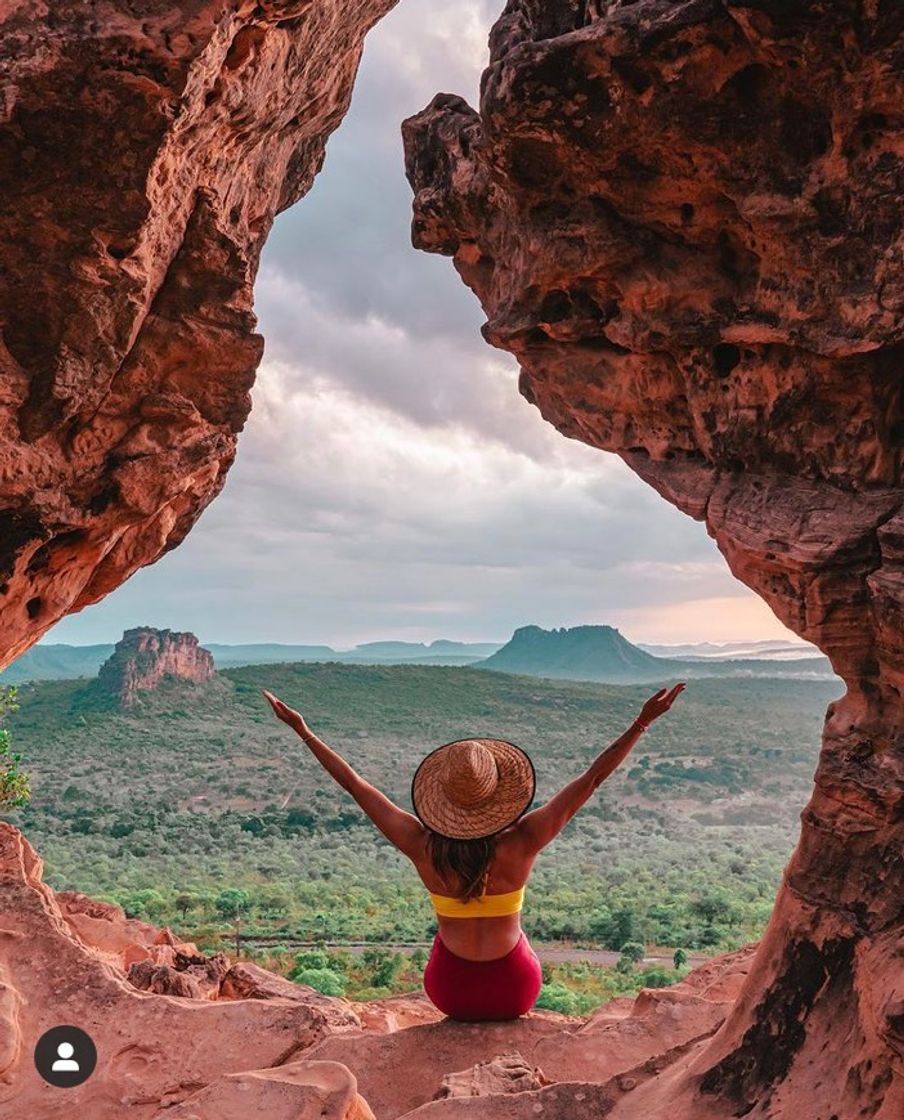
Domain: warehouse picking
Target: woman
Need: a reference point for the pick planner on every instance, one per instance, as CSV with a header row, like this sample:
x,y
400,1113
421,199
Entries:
x,y
473,844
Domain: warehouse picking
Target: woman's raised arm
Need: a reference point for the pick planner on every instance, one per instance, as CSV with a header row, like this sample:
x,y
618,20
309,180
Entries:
x,y
542,825
400,828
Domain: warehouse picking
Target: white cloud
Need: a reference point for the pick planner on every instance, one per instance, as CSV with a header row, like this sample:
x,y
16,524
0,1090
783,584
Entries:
x,y
391,481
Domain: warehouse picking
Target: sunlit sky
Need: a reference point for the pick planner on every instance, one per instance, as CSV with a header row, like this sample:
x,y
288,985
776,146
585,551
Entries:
x,y
391,482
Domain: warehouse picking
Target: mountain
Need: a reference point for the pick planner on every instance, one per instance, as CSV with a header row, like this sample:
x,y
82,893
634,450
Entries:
x,y
590,653
144,658
778,648
600,653
437,652
581,653
64,662
56,663
267,653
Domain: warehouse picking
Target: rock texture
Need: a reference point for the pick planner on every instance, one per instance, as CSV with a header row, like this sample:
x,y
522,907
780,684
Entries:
x,y
321,1055
206,1038
63,961
684,220
506,1073
627,1038
301,1091
143,658
144,151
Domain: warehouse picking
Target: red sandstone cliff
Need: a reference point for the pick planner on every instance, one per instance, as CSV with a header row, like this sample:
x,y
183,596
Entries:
x,y
144,657
144,151
684,220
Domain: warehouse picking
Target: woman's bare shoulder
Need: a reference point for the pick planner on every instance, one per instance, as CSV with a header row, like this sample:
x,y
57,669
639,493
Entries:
x,y
511,862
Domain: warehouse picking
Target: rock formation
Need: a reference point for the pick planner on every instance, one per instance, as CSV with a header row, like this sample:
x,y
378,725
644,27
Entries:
x,y
185,1035
144,657
682,217
63,961
684,220
144,151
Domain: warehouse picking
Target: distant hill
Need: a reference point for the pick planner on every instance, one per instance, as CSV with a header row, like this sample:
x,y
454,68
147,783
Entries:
x,y
64,662
581,653
267,653
439,652
56,663
772,648
601,653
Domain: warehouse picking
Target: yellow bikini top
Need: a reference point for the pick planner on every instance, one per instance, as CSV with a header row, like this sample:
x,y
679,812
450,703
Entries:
x,y
486,906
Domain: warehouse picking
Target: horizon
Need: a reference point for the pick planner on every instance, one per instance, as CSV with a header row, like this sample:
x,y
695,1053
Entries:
x,y
338,648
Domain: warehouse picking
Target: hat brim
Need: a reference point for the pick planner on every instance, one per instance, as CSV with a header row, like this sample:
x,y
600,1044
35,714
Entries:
x,y
511,797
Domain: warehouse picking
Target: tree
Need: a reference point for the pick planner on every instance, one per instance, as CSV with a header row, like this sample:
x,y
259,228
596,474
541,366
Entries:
x,y
15,788
232,903
623,927
385,966
714,906
634,951
186,902
147,903
312,958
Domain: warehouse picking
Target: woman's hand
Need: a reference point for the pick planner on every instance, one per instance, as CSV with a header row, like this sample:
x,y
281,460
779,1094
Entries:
x,y
660,702
285,713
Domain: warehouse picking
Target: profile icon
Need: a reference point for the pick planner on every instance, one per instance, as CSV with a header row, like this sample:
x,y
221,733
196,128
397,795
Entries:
x,y
65,1056
65,1062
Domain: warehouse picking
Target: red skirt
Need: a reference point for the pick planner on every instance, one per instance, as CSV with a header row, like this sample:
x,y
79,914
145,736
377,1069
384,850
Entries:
x,y
474,991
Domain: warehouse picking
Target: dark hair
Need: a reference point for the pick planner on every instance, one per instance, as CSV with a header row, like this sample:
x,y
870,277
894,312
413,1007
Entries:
x,y
468,860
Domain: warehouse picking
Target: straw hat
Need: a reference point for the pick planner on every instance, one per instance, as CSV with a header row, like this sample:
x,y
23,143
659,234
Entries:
x,y
473,787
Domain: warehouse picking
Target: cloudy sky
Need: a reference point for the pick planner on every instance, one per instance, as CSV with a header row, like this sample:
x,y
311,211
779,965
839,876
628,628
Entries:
x,y
391,482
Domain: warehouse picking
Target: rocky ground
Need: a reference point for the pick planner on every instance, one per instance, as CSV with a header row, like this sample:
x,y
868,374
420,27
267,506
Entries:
x,y
180,1034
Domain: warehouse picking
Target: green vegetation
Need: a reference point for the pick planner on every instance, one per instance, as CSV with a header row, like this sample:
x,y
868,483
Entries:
x,y
198,809
15,788
572,988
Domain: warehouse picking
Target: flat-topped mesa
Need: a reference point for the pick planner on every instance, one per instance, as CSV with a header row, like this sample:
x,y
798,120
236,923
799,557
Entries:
x,y
144,151
145,657
684,220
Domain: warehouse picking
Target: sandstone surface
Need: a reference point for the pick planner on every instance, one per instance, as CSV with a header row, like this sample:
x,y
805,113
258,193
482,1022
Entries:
x,y
210,1038
144,151
153,1050
684,220
660,1024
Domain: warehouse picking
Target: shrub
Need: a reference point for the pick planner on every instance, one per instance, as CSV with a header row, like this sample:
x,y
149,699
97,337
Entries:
x,y
656,977
15,789
312,958
322,980
556,997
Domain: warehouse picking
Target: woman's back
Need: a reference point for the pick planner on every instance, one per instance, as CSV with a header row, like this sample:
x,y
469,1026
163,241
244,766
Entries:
x,y
480,938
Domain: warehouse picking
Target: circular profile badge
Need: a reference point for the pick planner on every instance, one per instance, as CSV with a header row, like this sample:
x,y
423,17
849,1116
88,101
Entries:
x,y
65,1056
